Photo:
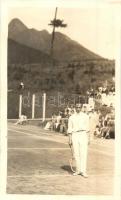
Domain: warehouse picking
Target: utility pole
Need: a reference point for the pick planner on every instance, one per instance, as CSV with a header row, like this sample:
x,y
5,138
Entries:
x,y
53,33
55,23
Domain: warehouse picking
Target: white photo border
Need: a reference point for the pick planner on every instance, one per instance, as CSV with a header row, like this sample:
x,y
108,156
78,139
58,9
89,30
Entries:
x,y
5,5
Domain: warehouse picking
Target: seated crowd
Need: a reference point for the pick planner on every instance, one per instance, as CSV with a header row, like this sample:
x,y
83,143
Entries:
x,y
57,123
100,126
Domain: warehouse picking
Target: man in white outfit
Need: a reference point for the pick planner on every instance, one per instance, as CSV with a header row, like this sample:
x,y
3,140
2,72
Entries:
x,y
78,128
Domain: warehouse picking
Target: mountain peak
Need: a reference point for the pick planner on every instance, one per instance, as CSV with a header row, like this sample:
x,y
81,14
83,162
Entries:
x,y
16,26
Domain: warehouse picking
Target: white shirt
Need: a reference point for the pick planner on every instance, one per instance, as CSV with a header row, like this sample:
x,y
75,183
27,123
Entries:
x,y
23,117
78,122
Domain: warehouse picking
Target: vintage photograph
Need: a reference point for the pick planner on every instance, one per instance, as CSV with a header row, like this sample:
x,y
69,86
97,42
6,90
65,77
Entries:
x,y
61,100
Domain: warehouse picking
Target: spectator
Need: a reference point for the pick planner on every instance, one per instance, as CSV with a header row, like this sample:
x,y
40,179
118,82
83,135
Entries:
x,y
58,121
54,121
93,121
22,120
48,125
84,109
110,119
67,111
104,130
63,127
67,115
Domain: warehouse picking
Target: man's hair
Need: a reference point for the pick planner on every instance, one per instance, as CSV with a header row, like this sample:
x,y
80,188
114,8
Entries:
x,y
79,105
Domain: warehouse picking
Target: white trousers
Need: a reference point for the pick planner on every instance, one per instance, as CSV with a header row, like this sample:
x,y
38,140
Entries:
x,y
80,148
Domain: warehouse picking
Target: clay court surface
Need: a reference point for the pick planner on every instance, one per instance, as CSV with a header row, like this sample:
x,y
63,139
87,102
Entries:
x,y
38,163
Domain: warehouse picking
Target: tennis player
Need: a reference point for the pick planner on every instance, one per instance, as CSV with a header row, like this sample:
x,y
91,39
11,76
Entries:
x,y
78,128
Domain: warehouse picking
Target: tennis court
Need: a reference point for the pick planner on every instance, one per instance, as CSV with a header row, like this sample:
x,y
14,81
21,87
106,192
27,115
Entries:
x,y
38,163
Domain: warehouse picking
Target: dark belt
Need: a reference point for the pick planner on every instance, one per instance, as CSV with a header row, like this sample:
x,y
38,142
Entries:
x,y
78,131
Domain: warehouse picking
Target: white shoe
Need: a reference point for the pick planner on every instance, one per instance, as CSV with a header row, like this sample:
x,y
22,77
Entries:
x,y
76,173
84,175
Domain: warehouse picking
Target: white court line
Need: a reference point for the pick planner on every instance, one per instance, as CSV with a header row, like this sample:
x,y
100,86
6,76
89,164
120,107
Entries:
x,y
56,175
24,148
41,175
55,140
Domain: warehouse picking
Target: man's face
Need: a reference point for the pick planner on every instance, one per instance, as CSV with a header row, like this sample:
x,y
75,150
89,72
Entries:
x,y
78,109
84,109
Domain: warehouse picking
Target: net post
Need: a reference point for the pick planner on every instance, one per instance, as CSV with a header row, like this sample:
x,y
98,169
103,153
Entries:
x,y
33,106
20,105
44,106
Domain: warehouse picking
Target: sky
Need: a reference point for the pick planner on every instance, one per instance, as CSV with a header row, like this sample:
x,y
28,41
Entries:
x,y
95,27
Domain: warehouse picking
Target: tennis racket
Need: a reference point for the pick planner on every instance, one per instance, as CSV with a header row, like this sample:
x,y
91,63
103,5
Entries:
x,y
72,160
